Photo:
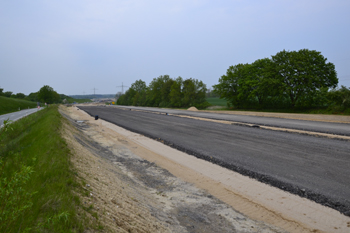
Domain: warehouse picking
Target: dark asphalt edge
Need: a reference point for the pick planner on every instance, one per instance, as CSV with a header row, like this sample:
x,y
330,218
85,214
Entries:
x,y
302,192
244,122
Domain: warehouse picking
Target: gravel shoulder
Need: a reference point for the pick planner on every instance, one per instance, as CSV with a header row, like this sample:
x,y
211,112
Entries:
x,y
132,194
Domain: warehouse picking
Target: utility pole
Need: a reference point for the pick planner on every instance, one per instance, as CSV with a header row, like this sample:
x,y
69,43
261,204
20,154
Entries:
x,y
94,92
122,86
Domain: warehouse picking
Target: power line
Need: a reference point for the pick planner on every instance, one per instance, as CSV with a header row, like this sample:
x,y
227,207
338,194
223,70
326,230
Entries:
x,y
122,86
94,91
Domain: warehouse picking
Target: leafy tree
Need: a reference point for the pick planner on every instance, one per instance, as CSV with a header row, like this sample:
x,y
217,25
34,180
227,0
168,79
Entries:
x,y
157,90
33,97
194,93
127,98
139,86
8,94
48,95
176,94
139,99
339,97
165,92
229,87
302,73
1,91
259,81
20,96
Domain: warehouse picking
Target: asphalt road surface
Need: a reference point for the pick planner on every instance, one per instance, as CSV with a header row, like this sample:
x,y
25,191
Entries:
x,y
313,126
313,167
14,116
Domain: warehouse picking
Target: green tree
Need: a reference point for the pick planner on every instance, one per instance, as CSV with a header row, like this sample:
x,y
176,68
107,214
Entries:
x,y
139,86
33,97
176,94
129,96
165,93
20,96
1,91
157,90
139,99
229,87
259,81
47,95
339,97
8,94
302,73
194,93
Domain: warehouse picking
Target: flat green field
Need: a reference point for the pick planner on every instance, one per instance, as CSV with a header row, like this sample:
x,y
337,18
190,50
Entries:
x,y
8,105
216,101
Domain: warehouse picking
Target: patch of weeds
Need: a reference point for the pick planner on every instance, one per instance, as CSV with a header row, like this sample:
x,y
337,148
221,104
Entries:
x,y
94,214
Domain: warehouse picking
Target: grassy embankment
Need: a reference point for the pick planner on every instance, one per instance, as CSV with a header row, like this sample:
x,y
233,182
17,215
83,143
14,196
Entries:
x,y
216,101
36,177
8,105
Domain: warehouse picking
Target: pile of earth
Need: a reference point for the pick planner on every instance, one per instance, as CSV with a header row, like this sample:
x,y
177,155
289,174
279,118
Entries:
x,y
192,109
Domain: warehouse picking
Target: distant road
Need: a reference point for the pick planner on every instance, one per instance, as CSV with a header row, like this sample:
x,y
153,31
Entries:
x,y
14,116
313,167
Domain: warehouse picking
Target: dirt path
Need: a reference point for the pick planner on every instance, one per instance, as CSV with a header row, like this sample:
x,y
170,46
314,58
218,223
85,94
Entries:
x,y
132,192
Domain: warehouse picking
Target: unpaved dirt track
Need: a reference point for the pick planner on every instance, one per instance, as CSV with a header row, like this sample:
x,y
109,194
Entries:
x,y
316,168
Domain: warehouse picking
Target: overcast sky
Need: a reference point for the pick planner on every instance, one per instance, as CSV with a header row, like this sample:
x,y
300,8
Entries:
x,y
75,46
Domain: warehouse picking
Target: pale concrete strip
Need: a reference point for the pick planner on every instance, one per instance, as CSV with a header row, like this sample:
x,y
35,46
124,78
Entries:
x,y
296,116
271,128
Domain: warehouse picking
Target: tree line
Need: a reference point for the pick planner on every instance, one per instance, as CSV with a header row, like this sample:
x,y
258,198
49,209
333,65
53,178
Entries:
x,y
164,91
46,94
289,79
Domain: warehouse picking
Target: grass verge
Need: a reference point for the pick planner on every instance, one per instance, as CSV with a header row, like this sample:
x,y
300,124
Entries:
x,y
36,178
8,105
334,110
216,101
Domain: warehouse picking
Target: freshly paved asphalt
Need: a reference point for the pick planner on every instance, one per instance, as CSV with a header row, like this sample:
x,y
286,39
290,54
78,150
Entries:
x,y
312,167
14,116
314,126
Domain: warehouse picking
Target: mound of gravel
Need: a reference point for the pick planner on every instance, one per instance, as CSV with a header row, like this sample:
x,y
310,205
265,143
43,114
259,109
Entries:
x,y
192,109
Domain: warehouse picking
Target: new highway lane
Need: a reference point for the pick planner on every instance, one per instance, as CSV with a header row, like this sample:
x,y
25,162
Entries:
x,y
313,167
314,126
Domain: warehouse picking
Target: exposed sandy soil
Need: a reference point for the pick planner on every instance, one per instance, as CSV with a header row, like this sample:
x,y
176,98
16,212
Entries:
x,y
307,117
140,185
192,109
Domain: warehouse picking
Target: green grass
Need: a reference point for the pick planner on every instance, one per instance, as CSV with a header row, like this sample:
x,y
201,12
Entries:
x,y
36,177
8,105
216,101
